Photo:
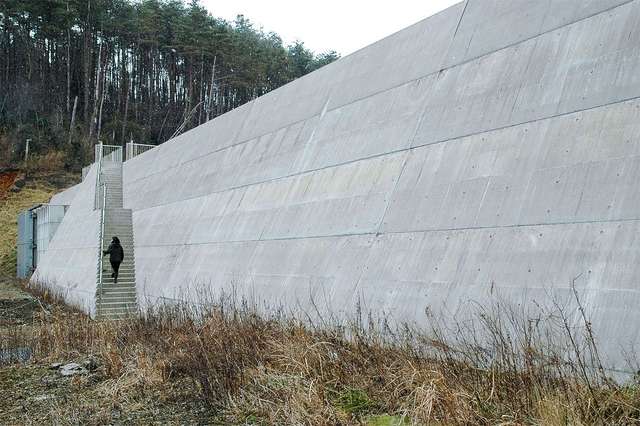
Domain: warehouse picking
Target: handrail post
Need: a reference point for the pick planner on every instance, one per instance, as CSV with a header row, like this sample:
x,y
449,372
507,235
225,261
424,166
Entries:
x,y
99,155
101,254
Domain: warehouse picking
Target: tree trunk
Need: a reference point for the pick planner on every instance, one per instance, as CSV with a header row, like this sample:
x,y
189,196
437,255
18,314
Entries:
x,y
68,63
96,96
73,119
87,52
100,115
126,111
213,79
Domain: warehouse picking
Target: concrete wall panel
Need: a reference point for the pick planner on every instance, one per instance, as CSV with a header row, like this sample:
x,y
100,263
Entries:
x,y
69,266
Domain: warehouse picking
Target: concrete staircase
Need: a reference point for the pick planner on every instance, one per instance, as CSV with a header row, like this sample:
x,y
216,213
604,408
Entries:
x,y
116,301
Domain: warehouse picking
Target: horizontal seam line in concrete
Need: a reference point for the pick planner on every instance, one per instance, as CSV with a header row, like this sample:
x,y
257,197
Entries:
x,y
415,231
393,87
389,153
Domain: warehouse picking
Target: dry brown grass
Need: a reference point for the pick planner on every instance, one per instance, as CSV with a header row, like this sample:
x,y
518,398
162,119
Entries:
x,y
52,161
10,207
253,369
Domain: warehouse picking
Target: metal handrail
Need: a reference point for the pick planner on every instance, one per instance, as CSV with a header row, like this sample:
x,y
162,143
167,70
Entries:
x,y
98,155
134,149
101,254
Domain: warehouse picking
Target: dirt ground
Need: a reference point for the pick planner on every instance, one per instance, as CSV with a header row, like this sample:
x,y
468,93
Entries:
x,y
16,305
33,393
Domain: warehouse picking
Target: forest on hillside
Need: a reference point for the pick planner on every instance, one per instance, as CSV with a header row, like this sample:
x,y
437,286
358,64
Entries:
x,y
73,72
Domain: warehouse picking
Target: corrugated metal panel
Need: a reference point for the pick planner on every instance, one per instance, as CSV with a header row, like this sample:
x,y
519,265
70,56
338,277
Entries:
x,y
48,218
36,228
25,244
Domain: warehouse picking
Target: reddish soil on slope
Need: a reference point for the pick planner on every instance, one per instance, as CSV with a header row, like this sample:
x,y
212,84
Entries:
x,y
6,181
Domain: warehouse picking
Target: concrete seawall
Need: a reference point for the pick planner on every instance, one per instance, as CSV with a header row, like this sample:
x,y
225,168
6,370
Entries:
x,y
491,148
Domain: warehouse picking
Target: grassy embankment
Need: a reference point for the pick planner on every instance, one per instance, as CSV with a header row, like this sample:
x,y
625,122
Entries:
x,y
44,177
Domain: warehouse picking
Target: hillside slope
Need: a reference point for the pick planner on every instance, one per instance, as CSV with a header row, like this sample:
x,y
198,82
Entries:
x,y
38,188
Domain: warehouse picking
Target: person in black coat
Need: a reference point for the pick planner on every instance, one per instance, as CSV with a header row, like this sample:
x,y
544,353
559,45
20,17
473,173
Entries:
x,y
116,256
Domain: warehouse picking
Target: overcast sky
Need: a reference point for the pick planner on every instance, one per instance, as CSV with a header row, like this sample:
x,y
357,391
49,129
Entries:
x,y
341,25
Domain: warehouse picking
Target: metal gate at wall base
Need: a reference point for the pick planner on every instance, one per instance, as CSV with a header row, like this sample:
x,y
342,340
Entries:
x,y
36,228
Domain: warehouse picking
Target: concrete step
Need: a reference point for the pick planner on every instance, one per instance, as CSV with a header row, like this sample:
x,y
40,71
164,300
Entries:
x,y
113,290
128,234
122,279
116,289
121,286
124,282
122,295
107,302
116,314
128,264
117,295
118,305
122,274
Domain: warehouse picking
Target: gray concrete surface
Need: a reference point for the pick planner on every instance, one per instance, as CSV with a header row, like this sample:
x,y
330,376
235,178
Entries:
x,y
490,149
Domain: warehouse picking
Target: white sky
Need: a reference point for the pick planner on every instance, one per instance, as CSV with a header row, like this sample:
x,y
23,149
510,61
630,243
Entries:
x,y
341,25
